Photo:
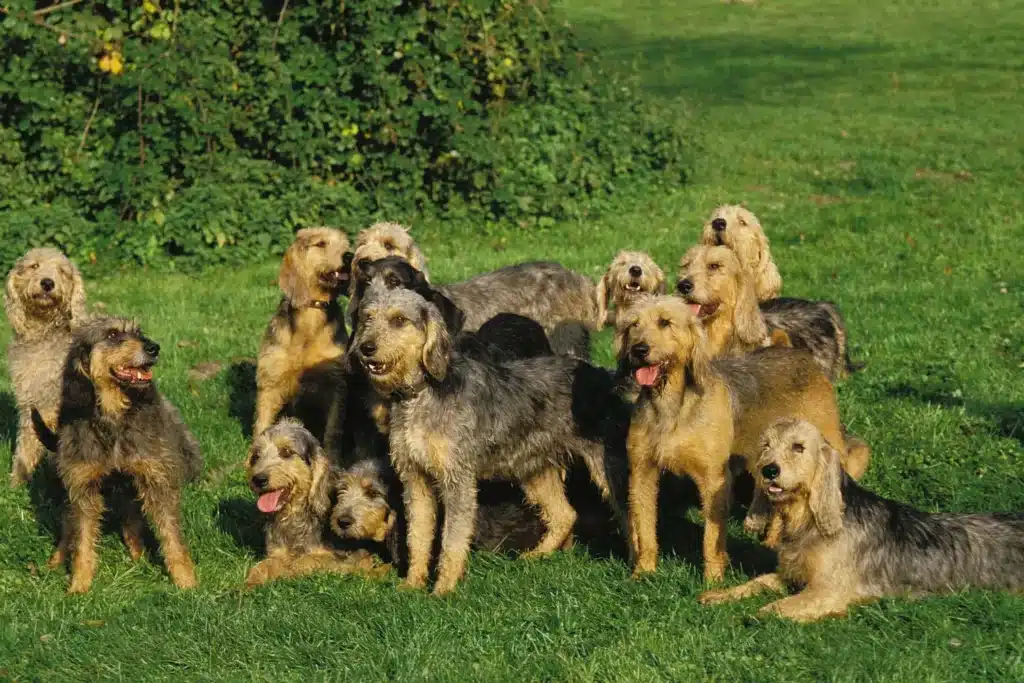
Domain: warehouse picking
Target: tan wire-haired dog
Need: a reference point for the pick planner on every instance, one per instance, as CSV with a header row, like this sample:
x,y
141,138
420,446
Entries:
x,y
721,294
301,359
630,275
692,414
387,239
842,544
737,228
295,485
113,423
44,299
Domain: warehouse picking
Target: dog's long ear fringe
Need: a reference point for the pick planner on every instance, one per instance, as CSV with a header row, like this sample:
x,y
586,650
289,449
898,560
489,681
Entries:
x,y
290,278
826,499
747,319
698,367
437,347
767,280
601,294
14,307
47,437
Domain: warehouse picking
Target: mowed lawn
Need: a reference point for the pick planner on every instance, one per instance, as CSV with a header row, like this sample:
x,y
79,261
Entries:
x,y
881,145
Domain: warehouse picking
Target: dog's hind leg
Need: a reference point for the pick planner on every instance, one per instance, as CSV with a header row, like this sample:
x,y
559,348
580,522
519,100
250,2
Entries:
x,y
132,530
547,492
460,506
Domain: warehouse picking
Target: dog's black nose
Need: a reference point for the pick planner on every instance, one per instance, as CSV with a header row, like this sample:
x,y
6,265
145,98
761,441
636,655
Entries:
x,y
685,286
47,284
259,481
368,349
344,521
718,225
636,271
640,351
151,348
771,471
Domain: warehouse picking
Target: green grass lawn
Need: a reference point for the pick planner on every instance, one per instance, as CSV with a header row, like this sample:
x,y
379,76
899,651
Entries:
x,y
880,143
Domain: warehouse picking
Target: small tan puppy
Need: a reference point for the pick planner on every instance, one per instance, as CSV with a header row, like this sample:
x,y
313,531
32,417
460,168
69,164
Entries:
x,y
737,228
630,275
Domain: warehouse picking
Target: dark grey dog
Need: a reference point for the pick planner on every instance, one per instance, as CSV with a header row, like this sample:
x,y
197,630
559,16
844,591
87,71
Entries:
x,y
816,326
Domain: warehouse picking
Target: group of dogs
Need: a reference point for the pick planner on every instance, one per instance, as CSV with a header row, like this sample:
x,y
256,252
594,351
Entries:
x,y
372,419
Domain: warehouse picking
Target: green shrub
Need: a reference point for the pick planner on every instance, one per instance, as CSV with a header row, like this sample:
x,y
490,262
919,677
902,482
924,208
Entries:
x,y
207,131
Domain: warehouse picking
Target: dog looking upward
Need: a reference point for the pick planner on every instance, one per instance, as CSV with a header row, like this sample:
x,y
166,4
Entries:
x,y
44,299
738,229
842,545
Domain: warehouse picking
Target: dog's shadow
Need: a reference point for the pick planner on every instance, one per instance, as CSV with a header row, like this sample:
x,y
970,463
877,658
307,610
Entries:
x,y
241,379
238,518
1005,419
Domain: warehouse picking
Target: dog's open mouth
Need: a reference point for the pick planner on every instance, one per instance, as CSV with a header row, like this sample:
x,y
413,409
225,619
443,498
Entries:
x,y
375,367
703,310
133,374
648,375
774,491
334,278
272,501
633,287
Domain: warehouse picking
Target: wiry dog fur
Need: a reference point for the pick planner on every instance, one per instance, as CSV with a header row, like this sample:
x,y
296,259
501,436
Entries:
x,y
738,229
113,421
301,362
456,419
721,294
387,239
817,326
842,545
296,485
44,299
630,275
692,414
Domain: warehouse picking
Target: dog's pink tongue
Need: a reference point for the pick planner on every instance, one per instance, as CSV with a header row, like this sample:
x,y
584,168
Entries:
x,y
695,309
270,502
647,376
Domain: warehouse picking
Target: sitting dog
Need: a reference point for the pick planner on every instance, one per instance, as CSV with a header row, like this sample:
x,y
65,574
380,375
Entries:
x,y
692,415
114,422
295,485
44,299
738,229
455,420
842,545
630,275
300,371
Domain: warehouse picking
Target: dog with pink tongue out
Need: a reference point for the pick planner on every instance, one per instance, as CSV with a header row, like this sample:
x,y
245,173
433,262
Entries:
x,y
295,487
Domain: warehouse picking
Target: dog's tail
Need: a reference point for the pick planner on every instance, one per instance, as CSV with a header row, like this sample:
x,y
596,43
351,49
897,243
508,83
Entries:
x,y
46,436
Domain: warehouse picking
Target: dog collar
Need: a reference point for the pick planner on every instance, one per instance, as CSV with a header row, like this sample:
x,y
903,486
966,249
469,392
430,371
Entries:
x,y
322,305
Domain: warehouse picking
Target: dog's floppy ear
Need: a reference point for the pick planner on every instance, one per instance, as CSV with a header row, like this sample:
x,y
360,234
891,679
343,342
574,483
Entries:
x,y
747,319
767,281
14,307
418,261
320,483
291,279
76,302
698,365
452,315
825,499
659,280
601,294
346,273
437,347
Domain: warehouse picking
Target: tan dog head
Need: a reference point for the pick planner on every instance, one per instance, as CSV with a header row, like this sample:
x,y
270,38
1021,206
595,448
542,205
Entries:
x,y
659,338
631,274
737,228
720,292
286,470
401,340
362,510
797,469
315,268
44,290
388,239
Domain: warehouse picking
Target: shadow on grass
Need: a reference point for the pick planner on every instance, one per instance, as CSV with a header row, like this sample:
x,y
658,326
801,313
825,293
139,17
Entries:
x,y
242,394
1004,419
239,518
8,419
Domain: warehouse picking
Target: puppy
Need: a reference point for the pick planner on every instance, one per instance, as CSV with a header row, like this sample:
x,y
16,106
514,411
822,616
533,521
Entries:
x,y
842,545
114,422
295,486
738,229
44,299
691,415
301,360
631,274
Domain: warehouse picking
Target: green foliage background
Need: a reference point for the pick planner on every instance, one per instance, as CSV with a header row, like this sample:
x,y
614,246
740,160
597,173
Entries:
x,y
208,131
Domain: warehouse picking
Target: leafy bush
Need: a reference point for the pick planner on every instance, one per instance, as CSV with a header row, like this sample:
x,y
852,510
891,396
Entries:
x,y
207,131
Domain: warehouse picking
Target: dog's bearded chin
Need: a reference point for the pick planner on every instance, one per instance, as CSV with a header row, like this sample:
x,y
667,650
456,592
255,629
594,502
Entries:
x,y
271,501
648,375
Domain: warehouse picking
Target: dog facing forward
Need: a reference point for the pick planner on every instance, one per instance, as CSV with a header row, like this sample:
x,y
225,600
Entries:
x,y
738,229
301,359
630,275
114,423
842,545
44,299
692,414
456,419
295,487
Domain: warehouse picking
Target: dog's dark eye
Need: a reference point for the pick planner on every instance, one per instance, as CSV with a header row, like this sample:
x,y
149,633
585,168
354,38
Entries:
x,y
798,447
714,266
113,335
253,458
399,321
392,282
664,322
285,453
322,244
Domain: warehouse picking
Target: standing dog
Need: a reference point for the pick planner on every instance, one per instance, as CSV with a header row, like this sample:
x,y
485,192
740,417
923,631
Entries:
x,y
113,422
630,275
44,299
301,359
842,545
456,419
692,414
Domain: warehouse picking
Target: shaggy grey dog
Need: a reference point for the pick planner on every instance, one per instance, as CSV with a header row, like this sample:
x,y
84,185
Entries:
x,y
44,299
816,326
455,419
842,544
